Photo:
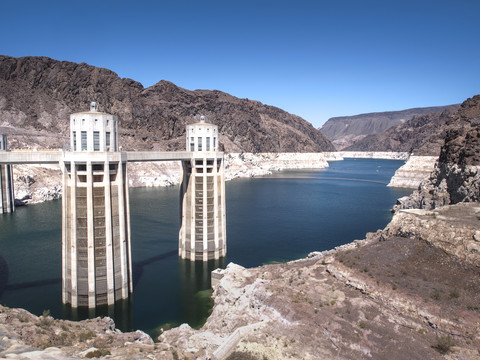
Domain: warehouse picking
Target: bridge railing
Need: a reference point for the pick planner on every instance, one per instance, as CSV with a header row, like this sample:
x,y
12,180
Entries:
x,y
55,156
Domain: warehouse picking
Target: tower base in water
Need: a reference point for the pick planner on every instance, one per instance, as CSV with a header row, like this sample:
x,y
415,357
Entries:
x,y
96,266
7,195
202,207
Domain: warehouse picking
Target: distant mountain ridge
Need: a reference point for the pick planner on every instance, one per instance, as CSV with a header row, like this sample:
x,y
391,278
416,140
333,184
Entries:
x,y
344,131
37,95
422,135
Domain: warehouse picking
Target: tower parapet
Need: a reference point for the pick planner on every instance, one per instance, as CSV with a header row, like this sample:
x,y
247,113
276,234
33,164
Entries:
x,y
7,193
202,136
93,130
96,249
202,196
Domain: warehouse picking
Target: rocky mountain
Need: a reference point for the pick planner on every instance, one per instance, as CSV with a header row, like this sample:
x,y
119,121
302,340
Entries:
x,y
456,177
37,95
423,135
344,131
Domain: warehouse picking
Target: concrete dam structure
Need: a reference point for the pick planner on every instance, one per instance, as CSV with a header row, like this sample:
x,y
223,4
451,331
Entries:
x,y
96,240
96,246
202,197
7,195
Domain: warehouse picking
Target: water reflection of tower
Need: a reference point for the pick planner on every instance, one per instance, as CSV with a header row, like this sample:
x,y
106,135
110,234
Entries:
x,y
195,283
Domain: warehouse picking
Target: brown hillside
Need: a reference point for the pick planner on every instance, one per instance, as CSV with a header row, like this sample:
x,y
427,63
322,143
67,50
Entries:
x,y
37,94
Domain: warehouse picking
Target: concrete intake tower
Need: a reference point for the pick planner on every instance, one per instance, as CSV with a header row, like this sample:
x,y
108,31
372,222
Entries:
x,y
7,197
202,196
96,251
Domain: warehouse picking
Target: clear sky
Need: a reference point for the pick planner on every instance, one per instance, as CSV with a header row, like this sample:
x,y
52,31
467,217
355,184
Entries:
x,y
316,59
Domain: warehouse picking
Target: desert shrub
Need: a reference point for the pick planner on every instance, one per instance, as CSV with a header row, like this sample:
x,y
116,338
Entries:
x,y
45,320
97,353
454,294
86,335
435,295
444,344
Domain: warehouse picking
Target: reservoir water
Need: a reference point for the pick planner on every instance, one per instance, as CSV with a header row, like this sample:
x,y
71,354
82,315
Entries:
x,y
280,217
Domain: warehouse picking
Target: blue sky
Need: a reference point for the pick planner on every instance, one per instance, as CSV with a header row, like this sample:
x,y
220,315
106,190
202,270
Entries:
x,y
316,59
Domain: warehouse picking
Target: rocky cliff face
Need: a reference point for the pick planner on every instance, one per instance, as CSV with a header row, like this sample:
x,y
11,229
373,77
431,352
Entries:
x,y
346,130
456,177
37,95
413,172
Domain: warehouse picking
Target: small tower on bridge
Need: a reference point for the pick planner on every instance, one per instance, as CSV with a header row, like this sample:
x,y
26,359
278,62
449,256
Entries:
x,y
202,196
96,251
7,194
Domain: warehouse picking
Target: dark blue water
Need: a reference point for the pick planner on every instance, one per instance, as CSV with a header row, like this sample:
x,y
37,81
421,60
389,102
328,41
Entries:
x,y
281,217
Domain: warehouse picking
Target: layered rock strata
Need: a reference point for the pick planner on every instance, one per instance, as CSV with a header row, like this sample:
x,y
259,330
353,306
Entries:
x,y
442,229
413,172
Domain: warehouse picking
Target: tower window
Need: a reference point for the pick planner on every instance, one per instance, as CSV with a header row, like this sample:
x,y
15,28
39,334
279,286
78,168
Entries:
x,y
214,143
107,140
74,140
96,141
208,144
199,143
84,140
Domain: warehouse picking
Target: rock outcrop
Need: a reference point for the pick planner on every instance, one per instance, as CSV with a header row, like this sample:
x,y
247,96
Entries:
x,y
453,228
26,336
413,172
456,177
34,184
37,95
